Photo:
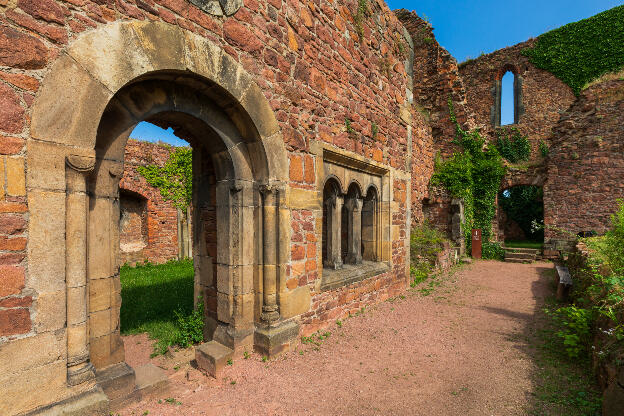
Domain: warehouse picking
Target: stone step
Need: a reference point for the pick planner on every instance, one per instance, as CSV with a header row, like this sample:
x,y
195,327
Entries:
x,y
518,260
151,379
522,250
124,385
212,357
526,256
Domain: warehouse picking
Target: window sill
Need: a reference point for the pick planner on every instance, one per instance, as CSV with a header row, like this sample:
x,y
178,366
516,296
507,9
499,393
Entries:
x,y
351,273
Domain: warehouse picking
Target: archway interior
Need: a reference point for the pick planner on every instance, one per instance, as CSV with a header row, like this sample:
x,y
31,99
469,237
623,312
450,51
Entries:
x,y
521,216
224,152
157,299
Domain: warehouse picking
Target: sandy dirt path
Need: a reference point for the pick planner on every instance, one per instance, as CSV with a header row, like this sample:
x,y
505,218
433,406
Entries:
x,y
460,350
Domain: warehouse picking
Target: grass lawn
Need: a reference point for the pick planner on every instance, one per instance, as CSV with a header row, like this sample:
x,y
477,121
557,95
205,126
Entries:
x,y
524,244
150,294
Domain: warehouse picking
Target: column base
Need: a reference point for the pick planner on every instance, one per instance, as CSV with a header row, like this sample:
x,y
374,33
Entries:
x,y
80,373
273,340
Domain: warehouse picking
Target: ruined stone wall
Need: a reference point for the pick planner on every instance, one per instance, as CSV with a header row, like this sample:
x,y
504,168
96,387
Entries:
x,y
436,81
160,227
313,62
586,163
542,96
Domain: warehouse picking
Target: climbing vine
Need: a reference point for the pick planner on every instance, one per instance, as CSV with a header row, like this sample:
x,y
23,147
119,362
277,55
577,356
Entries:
x,y
174,179
512,145
580,52
474,175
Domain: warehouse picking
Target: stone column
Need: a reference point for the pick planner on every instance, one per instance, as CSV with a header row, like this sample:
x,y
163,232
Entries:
x,y
334,219
79,368
354,232
270,312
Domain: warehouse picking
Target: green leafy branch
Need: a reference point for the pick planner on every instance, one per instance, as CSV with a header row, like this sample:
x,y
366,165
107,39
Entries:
x,y
174,179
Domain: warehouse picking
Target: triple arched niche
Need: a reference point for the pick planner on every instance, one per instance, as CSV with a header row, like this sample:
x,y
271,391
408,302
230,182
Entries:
x,y
99,88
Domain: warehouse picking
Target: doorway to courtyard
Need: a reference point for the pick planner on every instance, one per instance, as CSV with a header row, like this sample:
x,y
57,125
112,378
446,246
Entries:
x,y
521,216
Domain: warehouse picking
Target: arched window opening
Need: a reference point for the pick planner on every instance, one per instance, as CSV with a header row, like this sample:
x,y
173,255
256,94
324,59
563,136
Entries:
x,y
332,230
508,99
352,218
369,229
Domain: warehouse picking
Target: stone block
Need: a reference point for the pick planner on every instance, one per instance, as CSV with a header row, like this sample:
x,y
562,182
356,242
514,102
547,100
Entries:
x,y
212,357
99,323
100,258
162,43
150,379
46,165
23,354
295,302
303,199
14,322
100,294
35,387
46,246
99,350
69,105
93,403
274,340
50,311
117,381
224,307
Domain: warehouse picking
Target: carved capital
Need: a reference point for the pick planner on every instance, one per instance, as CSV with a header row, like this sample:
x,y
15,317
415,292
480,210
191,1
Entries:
x,y
236,186
116,171
80,163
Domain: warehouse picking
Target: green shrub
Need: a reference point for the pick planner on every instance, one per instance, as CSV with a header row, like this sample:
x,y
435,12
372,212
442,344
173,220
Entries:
x,y
512,145
191,327
575,332
425,244
580,52
615,240
492,251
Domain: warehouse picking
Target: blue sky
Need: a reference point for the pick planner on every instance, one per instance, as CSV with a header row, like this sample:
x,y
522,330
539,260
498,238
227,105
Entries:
x,y
467,28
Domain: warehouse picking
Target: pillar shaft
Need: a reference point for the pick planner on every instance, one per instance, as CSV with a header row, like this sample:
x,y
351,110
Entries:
x,y
334,227
79,369
270,241
354,232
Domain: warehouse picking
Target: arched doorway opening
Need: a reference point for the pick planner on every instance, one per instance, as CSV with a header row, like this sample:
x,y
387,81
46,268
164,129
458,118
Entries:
x,y
521,216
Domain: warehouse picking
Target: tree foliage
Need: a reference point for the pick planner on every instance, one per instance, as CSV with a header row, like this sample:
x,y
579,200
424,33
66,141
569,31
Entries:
x,y
580,52
524,204
174,179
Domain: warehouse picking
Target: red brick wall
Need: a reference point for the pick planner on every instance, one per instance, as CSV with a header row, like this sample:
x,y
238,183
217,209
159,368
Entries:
x,y
160,226
306,57
586,162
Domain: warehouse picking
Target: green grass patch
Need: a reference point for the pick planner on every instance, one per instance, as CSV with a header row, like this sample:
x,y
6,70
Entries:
x,y
524,244
151,295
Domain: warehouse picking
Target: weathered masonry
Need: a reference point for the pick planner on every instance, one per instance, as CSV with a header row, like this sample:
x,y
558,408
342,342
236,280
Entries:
x,y
279,100
150,228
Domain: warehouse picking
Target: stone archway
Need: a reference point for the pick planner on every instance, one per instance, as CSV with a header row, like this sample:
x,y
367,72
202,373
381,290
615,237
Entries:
x,y
100,87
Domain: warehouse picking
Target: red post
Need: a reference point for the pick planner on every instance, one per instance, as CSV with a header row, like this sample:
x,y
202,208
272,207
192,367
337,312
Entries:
x,y
476,243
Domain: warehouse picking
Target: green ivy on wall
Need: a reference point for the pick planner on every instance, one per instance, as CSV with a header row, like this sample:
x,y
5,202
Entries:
x,y
175,179
474,175
580,52
512,145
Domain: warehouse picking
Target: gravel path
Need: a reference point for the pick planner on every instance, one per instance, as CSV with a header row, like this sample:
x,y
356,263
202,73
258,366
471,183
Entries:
x,y
459,350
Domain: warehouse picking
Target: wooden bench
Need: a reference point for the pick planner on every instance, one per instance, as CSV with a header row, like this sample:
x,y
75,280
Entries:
x,y
565,282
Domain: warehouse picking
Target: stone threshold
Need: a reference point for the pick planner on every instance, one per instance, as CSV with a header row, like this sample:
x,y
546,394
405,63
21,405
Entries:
x,y
351,273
